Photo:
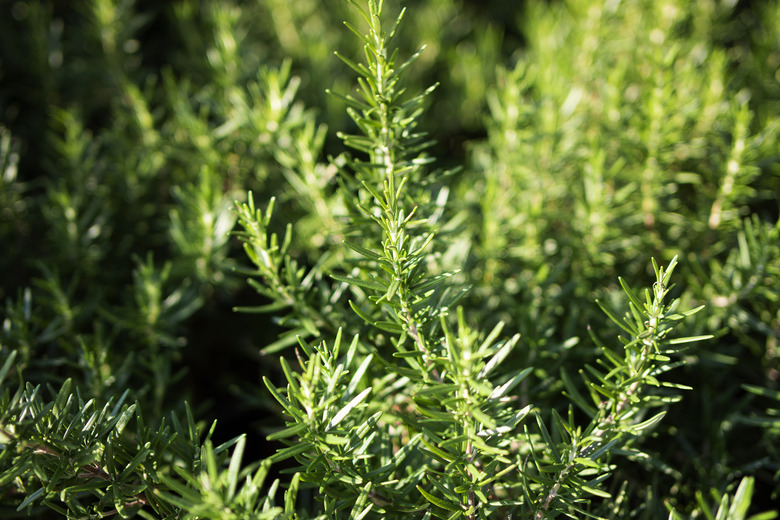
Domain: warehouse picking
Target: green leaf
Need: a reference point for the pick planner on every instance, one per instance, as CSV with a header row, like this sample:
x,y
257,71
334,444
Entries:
x,y
262,309
437,501
362,250
192,429
178,501
604,448
621,323
690,339
434,414
631,295
668,273
9,361
767,515
360,510
500,355
349,101
287,339
292,431
547,439
649,423
742,499
289,375
135,462
292,492
76,421
282,400
89,485
357,67
32,497
389,326
437,452
392,290
427,284
483,418
496,453
359,373
348,408
693,311
765,392
373,284
504,389
360,313
597,492
124,419
235,466
409,354
574,394
374,193
291,451
63,396
357,33
437,389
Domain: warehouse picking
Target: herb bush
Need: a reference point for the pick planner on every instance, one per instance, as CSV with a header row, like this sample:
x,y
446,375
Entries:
x,y
519,262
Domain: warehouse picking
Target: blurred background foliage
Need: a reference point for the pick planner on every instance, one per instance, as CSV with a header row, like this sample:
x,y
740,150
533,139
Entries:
x,y
592,135
139,123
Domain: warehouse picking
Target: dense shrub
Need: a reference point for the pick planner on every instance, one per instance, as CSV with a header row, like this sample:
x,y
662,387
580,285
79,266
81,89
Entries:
x,y
496,261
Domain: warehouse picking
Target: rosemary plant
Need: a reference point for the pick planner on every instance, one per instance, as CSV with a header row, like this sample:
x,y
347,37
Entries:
x,y
436,415
417,336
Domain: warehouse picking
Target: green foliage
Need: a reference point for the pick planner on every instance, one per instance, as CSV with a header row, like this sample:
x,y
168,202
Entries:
x,y
421,312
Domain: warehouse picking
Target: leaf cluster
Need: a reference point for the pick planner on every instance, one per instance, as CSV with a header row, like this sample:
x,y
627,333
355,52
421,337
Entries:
x,y
416,336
